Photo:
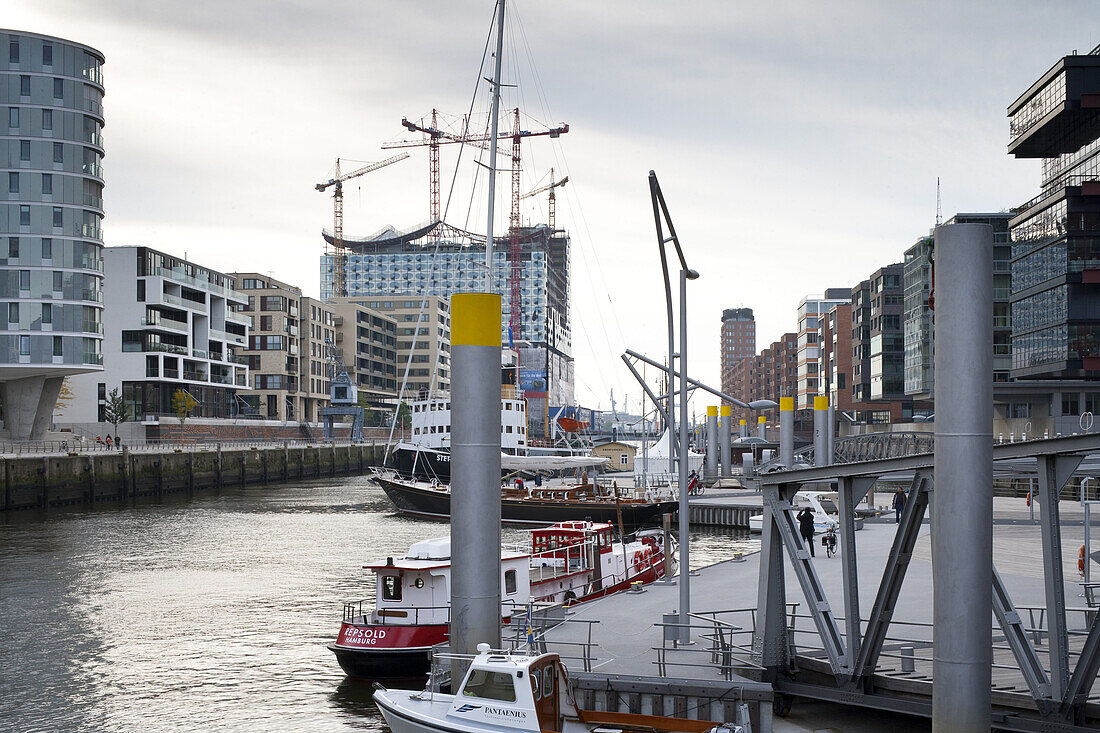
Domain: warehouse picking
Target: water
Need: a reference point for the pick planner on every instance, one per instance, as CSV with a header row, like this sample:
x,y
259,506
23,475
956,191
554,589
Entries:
x,y
202,614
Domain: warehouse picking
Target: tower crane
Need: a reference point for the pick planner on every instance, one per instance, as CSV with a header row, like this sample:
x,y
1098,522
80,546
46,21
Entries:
x,y
549,187
339,287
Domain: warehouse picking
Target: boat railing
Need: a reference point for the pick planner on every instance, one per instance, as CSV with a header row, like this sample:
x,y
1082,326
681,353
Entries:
x,y
410,615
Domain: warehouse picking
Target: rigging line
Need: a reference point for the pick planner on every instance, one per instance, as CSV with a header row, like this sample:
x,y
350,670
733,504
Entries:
x,y
423,296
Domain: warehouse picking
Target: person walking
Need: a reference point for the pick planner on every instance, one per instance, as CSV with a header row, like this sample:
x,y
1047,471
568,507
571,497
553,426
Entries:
x,y
899,505
108,441
806,527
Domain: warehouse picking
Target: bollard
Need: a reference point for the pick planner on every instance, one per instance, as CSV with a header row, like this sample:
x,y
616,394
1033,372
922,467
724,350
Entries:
x,y
962,537
821,437
744,428
762,427
907,661
666,525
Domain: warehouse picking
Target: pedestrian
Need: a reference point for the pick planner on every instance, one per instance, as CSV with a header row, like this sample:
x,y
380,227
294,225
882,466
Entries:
x,y
806,527
538,479
584,478
118,442
899,504
108,441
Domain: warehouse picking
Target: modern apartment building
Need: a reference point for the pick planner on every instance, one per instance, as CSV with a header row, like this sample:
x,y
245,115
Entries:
x,y
917,318
169,325
424,334
810,310
286,350
440,260
51,149
1055,271
769,375
738,341
367,340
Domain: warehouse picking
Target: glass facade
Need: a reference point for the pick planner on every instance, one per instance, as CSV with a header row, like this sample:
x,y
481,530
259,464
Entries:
x,y
51,156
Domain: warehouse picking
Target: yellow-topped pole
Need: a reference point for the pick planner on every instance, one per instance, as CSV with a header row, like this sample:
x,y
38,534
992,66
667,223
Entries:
x,y
761,427
786,431
710,467
821,436
475,471
724,435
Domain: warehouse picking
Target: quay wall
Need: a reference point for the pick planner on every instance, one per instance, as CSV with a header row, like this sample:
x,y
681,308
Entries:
x,y
41,482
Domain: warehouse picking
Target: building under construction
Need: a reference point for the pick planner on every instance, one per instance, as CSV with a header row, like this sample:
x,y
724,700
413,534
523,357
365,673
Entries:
x,y
439,259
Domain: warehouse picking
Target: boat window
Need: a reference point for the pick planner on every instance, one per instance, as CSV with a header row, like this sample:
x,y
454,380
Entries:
x,y
490,686
535,678
510,582
828,506
391,588
548,680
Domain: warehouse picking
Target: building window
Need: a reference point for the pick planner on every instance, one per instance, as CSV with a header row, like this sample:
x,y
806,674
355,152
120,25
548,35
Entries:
x,y
47,184
47,54
47,313
58,153
47,119
624,459
58,346
24,150
58,281
24,216
13,52
24,345
57,216
13,247
13,183
58,88
24,86
47,249
13,313
24,279
13,117
1071,404
141,291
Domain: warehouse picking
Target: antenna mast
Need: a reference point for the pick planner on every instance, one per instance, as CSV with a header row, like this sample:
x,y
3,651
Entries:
x,y
939,216
494,116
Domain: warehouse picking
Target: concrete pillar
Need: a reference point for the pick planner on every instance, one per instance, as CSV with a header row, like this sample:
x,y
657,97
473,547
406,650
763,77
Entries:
x,y
821,435
744,428
710,472
762,427
724,435
28,405
786,431
962,542
475,471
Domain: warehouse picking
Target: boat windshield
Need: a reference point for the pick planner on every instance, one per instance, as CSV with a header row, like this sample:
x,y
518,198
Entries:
x,y
490,686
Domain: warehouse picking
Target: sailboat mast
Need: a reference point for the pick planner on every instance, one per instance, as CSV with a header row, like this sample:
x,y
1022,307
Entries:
x,y
494,122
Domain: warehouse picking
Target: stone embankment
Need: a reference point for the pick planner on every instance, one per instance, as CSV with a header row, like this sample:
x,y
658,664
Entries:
x,y
41,482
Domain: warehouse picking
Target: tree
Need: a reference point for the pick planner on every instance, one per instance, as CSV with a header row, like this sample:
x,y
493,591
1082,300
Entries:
x,y
114,409
64,397
404,415
182,404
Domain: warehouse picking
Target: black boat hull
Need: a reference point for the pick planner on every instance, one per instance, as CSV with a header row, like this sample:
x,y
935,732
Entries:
x,y
384,665
435,503
425,463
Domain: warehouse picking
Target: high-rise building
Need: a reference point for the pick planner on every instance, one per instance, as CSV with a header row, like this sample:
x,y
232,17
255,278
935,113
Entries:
x,y
738,341
1055,266
810,310
887,343
169,325
440,260
917,319
51,148
769,375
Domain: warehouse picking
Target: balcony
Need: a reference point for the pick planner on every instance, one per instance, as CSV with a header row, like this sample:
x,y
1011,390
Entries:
x,y
196,282
165,348
91,358
232,338
95,296
195,376
93,201
165,323
221,379
91,327
92,169
241,380
200,354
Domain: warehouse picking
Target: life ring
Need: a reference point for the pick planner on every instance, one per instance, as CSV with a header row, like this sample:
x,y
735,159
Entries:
x,y
1081,561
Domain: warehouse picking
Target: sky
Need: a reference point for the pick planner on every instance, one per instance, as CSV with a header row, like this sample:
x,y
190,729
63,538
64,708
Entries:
x,y
798,144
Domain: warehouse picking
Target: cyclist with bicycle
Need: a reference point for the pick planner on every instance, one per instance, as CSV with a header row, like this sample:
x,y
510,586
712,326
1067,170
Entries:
x,y
806,527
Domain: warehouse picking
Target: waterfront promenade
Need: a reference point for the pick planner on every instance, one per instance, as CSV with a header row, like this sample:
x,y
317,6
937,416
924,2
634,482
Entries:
x,y
628,635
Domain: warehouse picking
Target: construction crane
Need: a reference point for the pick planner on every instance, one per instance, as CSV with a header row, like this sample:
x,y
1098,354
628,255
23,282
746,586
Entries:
x,y
549,187
339,286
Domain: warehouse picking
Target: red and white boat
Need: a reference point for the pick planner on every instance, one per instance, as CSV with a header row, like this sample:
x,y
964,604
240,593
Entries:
x,y
565,562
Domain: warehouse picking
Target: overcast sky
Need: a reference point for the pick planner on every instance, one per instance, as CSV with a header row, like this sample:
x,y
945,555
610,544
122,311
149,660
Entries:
x,y
798,143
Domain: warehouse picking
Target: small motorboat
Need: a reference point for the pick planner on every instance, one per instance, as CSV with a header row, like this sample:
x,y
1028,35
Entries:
x,y
821,503
507,691
564,563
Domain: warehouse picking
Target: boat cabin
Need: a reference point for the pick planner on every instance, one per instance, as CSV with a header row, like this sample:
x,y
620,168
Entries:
x,y
415,589
513,691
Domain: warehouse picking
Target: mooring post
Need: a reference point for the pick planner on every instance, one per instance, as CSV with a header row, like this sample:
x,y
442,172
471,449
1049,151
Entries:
x,y
962,540
725,417
786,431
762,427
821,436
744,428
711,472
475,473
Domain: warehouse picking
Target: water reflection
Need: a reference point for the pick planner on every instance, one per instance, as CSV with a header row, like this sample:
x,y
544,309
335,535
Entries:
x,y
204,613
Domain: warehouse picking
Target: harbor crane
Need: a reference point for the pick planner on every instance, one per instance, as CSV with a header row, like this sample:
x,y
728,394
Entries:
x,y
339,260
